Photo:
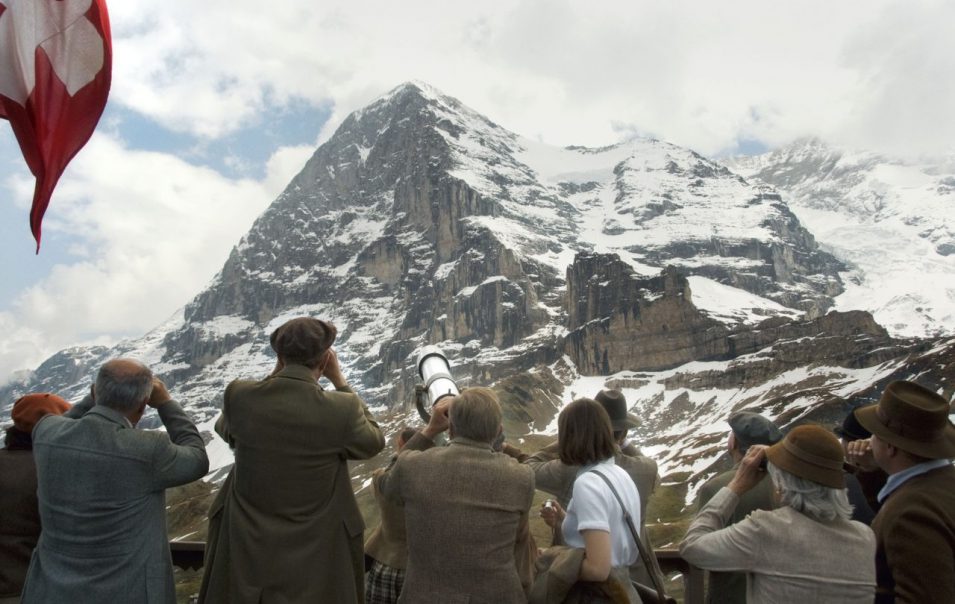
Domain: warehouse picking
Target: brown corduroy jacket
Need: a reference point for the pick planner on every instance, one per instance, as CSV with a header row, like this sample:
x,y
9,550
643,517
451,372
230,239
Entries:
x,y
915,537
466,515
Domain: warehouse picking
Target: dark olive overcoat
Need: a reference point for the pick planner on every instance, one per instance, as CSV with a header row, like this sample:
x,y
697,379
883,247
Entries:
x,y
19,518
285,527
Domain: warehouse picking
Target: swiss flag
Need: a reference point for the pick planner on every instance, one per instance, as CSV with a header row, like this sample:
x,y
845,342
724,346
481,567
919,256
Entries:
x,y
55,67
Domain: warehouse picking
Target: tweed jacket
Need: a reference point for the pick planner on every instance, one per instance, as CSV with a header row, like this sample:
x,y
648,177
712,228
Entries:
x,y
915,533
730,588
285,526
788,556
101,490
557,478
466,512
19,518
388,542
557,581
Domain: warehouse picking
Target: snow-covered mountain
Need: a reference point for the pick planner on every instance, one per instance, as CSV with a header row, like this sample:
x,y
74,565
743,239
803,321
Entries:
x,y
545,272
891,221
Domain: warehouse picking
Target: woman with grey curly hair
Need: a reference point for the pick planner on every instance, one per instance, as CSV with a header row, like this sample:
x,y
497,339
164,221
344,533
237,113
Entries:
x,y
806,550
815,500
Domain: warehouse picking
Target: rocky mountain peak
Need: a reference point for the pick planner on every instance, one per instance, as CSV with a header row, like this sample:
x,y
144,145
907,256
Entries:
x,y
543,270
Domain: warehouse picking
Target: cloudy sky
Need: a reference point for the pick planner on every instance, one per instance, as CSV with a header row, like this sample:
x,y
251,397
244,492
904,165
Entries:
x,y
215,106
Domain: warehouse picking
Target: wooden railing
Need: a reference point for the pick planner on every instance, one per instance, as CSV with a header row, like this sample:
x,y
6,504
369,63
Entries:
x,y
189,555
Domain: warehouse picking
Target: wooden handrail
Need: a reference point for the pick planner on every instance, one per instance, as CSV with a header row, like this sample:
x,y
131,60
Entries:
x,y
671,561
189,555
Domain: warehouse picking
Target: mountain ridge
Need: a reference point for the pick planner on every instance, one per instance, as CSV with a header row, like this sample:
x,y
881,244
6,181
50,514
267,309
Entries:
x,y
547,272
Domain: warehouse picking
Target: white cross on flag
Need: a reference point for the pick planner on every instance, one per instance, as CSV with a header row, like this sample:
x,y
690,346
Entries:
x,y
55,68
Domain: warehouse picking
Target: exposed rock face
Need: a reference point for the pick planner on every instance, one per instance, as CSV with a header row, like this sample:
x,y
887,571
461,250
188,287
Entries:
x,y
546,272
619,321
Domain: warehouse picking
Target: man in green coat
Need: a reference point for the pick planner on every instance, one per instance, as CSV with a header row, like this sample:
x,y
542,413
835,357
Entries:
x,y
285,526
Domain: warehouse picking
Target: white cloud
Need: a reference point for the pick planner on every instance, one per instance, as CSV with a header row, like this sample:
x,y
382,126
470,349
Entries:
x,y
905,60
152,230
700,74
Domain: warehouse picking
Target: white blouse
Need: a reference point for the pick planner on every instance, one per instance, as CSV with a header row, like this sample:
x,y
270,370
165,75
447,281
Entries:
x,y
594,507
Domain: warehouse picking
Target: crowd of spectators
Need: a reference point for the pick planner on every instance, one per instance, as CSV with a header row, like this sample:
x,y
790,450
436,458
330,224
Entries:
x,y
860,513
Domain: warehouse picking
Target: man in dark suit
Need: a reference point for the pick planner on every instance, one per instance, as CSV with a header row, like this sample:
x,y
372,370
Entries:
x,y
746,429
914,442
466,507
285,527
101,488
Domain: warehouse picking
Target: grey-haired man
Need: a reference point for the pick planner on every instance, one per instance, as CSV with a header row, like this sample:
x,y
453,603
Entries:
x,y
101,488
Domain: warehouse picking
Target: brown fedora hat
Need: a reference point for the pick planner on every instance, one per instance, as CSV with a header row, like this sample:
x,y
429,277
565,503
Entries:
x,y
811,452
615,404
912,418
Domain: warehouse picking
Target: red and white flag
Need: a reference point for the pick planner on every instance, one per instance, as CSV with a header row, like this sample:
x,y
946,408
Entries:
x,y
55,68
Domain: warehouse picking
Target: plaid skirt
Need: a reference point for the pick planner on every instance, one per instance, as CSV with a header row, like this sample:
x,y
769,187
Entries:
x,y
383,583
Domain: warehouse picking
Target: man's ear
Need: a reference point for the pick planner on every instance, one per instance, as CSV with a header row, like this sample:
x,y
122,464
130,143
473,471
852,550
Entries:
x,y
138,414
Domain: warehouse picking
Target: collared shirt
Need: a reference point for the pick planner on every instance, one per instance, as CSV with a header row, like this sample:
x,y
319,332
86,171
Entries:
x,y
594,507
898,479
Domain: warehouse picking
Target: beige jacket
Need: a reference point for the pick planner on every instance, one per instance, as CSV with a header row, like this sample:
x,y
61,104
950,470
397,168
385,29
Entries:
x,y
730,588
388,542
788,556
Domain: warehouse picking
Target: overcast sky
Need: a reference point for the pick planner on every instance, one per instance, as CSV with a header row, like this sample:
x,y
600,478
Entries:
x,y
215,106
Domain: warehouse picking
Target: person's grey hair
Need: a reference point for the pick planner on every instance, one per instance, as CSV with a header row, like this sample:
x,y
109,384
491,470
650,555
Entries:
x,y
476,414
815,500
123,391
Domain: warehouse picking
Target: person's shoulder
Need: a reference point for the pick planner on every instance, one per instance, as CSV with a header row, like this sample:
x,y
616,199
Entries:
x,y
862,531
588,481
636,461
240,385
515,467
47,426
340,397
414,457
919,499
714,484
924,489
780,519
